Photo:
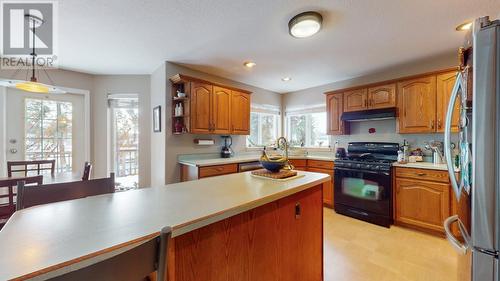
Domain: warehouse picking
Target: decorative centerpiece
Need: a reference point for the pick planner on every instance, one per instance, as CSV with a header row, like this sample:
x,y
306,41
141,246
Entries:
x,y
275,164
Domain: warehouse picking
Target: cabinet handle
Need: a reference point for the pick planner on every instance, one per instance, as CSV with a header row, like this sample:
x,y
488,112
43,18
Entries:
x,y
421,174
366,103
439,123
432,124
298,210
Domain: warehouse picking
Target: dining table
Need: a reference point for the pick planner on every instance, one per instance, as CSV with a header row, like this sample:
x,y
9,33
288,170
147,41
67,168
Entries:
x,y
56,178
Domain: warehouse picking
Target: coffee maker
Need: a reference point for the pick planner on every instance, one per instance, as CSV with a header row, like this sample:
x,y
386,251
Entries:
x,y
226,151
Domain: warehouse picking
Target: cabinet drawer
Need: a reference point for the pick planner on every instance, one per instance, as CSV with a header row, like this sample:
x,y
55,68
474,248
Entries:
x,y
423,174
320,164
217,170
298,163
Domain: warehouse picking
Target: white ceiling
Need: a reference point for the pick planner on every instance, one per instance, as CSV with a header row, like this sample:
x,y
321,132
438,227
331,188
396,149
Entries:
x,y
216,36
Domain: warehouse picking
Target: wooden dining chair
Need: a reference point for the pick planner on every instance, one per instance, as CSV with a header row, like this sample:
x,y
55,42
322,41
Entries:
x,y
26,167
87,169
146,261
28,196
8,195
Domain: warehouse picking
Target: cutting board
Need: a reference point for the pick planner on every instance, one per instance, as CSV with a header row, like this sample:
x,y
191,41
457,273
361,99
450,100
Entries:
x,y
282,174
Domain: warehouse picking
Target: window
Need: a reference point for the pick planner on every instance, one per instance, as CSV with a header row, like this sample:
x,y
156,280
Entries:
x,y
307,129
48,132
264,127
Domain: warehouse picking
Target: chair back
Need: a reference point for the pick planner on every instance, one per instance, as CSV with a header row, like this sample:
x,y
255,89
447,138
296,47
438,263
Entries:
x,y
30,167
28,196
8,195
87,169
137,263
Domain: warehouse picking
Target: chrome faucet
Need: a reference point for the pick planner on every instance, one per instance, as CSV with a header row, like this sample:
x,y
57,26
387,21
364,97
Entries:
x,y
282,141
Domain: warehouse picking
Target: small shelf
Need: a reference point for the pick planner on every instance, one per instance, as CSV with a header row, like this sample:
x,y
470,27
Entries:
x,y
180,99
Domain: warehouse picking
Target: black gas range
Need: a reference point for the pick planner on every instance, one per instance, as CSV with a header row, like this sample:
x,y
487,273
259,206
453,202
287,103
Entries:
x,y
363,182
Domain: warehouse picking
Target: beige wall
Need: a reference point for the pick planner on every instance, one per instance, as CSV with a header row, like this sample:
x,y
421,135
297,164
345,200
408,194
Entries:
x,y
183,144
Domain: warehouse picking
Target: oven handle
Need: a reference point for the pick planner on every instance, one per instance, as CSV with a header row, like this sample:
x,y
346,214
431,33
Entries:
x,y
362,171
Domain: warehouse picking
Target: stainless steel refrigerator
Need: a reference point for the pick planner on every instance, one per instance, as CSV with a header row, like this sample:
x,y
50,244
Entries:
x,y
478,161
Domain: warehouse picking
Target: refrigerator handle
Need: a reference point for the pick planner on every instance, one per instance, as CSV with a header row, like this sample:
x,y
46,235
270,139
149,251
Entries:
x,y
447,135
459,246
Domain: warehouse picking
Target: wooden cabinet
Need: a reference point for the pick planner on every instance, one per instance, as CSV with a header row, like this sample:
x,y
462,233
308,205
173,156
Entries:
x,y
188,173
240,103
281,240
383,96
444,85
299,164
423,200
221,110
356,100
201,107
417,105
210,108
327,187
335,108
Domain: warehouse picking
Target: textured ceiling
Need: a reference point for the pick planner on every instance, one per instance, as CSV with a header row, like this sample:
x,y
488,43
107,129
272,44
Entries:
x,y
216,36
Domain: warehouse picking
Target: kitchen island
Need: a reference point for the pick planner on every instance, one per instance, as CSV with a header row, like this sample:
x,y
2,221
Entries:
x,y
233,227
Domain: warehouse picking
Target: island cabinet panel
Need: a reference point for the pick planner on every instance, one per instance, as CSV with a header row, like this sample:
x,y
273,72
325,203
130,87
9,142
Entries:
x,y
417,105
356,100
201,108
335,108
221,111
444,84
383,96
282,240
240,103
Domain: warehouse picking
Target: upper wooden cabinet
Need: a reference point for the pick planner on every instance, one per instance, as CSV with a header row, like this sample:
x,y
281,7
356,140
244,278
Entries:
x,y
210,108
417,105
221,110
240,103
355,100
445,83
383,96
201,108
334,103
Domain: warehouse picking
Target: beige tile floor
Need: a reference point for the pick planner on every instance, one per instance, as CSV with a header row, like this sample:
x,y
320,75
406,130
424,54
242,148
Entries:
x,y
359,251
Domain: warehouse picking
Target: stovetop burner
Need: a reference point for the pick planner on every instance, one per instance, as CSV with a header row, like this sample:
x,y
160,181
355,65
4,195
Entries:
x,y
369,156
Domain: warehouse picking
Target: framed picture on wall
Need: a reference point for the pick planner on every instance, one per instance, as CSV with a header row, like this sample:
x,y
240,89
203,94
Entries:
x,y
157,119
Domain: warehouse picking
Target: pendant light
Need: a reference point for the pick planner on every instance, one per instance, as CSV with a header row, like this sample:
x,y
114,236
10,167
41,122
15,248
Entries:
x,y
33,85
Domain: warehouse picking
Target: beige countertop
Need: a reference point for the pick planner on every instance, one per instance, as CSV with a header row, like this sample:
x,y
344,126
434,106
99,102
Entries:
x,y
244,158
422,165
63,233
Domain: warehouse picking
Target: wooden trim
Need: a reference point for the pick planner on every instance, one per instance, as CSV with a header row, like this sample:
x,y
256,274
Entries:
x,y
380,83
181,78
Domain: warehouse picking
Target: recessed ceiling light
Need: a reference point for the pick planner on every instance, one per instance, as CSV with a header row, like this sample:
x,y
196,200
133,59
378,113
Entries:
x,y
286,79
249,64
305,24
464,26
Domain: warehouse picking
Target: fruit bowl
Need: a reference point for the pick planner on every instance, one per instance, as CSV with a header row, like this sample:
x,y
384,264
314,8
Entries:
x,y
273,165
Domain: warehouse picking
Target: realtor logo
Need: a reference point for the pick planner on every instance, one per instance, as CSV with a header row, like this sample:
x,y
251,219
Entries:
x,y
20,31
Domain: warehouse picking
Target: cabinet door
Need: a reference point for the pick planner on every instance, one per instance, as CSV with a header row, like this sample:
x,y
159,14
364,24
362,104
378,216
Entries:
x,y
355,100
221,110
201,105
417,105
327,187
444,84
335,108
301,236
421,203
240,121
383,96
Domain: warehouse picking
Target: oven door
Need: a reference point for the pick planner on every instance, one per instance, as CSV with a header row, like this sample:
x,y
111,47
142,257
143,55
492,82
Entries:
x,y
364,190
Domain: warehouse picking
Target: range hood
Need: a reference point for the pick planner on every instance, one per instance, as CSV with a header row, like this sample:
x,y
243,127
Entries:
x,y
366,115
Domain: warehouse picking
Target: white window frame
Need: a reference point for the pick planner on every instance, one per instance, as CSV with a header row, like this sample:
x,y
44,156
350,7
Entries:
x,y
265,110
306,111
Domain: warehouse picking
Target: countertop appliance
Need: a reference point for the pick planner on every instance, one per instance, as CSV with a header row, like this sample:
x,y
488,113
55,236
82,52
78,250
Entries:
x,y
479,157
363,181
226,151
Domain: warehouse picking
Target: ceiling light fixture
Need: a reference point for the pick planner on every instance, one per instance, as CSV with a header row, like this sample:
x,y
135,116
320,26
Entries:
x,y
249,64
305,24
464,26
285,79
32,85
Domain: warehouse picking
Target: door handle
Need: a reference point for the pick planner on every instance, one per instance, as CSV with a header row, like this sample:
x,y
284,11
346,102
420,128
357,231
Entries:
x,y
459,246
298,210
432,124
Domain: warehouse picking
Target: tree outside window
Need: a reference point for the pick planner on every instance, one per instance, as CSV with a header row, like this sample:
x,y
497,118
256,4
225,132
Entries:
x,y
307,130
263,129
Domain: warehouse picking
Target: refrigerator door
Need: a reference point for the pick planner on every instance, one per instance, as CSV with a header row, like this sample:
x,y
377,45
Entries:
x,y
485,151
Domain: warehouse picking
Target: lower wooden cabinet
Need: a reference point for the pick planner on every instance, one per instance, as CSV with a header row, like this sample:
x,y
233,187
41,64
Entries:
x,y
189,173
327,187
422,203
282,240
